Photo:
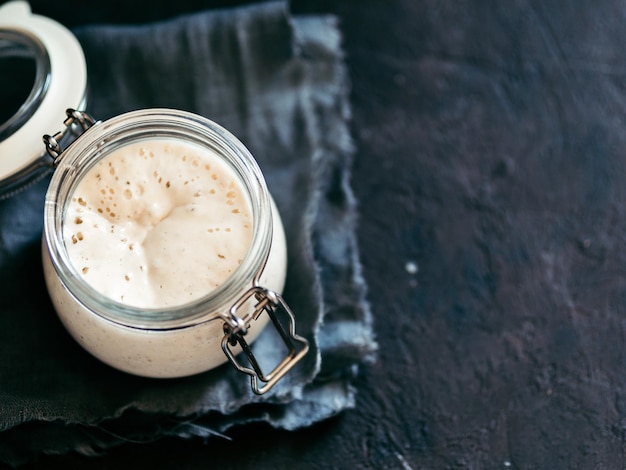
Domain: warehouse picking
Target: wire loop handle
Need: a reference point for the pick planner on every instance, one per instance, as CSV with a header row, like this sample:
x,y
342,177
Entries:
x,y
236,328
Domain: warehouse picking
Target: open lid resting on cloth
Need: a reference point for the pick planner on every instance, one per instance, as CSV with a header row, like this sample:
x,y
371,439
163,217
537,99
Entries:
x,y
279,84
43,72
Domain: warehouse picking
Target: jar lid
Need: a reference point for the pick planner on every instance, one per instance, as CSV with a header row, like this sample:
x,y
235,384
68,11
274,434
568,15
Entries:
x,y
60,82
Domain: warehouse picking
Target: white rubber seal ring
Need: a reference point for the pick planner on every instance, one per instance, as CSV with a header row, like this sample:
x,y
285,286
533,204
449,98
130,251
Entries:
x,y
66,89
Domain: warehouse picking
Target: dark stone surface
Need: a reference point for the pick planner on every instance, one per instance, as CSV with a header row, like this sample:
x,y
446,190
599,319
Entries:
x,y
490,173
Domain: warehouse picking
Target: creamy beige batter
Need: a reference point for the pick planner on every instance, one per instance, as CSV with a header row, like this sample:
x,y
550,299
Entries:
x,y
158,223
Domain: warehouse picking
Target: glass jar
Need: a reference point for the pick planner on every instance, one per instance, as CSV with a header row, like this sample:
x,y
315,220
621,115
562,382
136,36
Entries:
x,y
183,339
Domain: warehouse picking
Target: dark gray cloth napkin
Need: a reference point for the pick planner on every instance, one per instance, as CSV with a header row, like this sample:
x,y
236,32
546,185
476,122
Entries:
x,y
278,83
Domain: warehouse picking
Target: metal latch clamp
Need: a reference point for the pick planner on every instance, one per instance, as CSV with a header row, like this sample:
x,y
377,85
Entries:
x,y
236,328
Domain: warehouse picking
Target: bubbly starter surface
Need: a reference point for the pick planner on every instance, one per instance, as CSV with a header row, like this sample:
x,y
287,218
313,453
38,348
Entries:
x,y
158,223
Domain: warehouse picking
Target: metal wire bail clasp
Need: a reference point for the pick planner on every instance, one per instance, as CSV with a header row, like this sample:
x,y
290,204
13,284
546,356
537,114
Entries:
x,y
74,118
236,328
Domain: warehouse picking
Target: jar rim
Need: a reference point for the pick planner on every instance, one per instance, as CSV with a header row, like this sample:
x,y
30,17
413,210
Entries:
x,y
95,144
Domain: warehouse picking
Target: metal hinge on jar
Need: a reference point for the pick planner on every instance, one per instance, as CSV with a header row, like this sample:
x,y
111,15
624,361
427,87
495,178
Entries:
x,y
72,122
236,328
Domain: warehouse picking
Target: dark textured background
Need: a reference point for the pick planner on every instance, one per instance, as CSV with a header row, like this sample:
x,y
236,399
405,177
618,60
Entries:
x,y
490,157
